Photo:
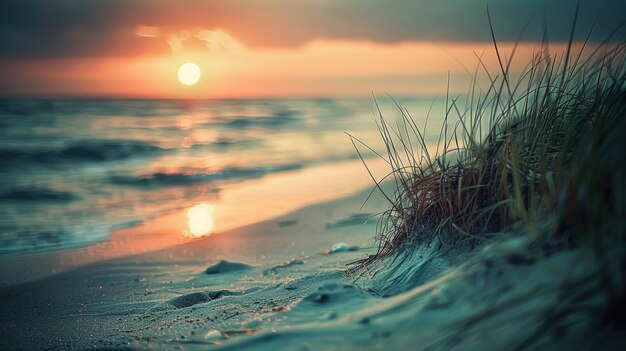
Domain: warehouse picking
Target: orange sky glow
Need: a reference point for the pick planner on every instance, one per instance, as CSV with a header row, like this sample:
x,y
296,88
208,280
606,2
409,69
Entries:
x,y
318,68
268,48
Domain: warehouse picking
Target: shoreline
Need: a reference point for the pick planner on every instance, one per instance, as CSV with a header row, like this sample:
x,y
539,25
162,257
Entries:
x,y
24,268
288,247
273,286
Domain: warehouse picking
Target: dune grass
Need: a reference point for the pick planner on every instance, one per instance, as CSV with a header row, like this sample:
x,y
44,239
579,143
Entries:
x,y
538,152
541,151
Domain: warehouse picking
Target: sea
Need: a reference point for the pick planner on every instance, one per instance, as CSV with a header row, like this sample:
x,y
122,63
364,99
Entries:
x,y
72,171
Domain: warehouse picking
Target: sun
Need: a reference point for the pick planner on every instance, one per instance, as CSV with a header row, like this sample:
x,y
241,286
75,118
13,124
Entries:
x,y
200,220
189,73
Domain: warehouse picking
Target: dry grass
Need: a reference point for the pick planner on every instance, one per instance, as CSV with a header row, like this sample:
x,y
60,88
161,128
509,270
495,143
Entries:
x,y
534,151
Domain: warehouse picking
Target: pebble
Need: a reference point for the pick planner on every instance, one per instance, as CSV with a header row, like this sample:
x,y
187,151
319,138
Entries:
x,y
214,334
342,247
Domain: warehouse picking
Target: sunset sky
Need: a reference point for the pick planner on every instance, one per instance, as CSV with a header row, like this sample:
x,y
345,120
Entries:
x,y
268,48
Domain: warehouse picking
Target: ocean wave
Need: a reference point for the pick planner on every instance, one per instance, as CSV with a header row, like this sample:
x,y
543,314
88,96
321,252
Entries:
x,y
229,144
31,240
37,194
275,120
177,179
85,150
46,108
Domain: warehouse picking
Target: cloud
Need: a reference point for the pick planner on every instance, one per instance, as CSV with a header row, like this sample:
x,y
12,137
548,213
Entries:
x,y
219,40
216,41
147,31
70,28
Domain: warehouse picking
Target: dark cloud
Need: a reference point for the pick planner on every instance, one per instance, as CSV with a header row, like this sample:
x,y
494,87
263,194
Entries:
x,y
66,28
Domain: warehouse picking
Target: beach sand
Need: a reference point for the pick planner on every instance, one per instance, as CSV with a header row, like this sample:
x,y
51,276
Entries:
x,y
106,303
277,285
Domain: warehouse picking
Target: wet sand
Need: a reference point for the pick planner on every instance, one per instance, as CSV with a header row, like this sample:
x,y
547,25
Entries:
x,y
104,304
278,285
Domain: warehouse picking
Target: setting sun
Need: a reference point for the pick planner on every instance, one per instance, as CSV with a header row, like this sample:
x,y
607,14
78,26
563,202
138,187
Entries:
x,y
189,73
200,219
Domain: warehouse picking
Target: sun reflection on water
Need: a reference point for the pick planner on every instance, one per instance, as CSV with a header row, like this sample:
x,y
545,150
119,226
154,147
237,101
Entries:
x,y
200,219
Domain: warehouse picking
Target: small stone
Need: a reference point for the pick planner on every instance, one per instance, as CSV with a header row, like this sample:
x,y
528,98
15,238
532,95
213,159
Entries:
x,y
214,334
342,247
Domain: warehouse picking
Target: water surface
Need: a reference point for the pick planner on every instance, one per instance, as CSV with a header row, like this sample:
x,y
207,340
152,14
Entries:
x,y
74,171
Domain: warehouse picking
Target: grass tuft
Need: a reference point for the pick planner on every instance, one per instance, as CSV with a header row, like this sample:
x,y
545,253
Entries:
x,y
534,149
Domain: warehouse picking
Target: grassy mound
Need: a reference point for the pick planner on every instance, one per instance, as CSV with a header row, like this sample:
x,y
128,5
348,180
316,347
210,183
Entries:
x,y
539,154
539,151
